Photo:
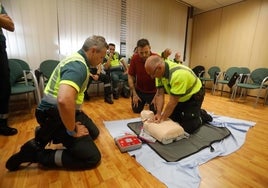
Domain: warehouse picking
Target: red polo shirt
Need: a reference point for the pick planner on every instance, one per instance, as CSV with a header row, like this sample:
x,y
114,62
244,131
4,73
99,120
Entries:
x,y
144,82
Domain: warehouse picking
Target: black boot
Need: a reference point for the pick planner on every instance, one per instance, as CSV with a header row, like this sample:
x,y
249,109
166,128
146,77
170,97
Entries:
x,y
5,129
205,116
115,93
108,100
27,153
108,94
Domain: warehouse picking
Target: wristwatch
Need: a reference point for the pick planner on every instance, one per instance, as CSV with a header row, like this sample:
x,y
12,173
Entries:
x,y
71,133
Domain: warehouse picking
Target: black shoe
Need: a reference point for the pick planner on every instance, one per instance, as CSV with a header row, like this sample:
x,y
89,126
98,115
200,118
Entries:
x,y
205,116
7,131
28,153
116,96
109,100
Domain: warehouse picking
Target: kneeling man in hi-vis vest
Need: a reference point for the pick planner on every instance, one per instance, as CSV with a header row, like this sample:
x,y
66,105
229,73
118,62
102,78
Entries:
x,y
186,93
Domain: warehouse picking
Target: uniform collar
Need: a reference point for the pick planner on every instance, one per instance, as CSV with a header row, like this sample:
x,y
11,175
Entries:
x,y
83,54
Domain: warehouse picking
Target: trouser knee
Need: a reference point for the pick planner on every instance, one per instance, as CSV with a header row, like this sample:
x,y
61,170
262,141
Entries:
x,y
85,120
191,125
50,124
82,154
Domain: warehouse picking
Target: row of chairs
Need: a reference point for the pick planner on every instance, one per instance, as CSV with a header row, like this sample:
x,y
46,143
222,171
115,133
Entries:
x,y
257,79
238,79
229,77
25,81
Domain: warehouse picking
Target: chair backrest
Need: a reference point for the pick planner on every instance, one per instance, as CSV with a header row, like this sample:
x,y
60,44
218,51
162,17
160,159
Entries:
x,y
23,64
230,72
213,70
258,75
47,67
244,70
199,70
16,71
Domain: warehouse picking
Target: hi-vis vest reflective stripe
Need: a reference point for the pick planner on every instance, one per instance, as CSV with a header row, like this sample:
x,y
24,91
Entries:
x,y
52,87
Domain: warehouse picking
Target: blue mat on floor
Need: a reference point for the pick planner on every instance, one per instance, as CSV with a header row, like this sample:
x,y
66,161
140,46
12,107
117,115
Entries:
x,y
184,173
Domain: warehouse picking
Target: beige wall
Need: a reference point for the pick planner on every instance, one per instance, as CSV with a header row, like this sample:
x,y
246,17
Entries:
x,y
235,35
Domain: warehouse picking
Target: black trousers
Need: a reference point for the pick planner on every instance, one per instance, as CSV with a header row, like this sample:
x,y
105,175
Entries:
x,y
188,114
146,98
79,153
4,81
105,78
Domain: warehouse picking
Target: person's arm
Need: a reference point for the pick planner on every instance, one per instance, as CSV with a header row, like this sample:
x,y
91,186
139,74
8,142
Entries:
x,y
97,75
107,64
172,103
99,69
6,22
135,97
124,65
66,106
131,85
159,103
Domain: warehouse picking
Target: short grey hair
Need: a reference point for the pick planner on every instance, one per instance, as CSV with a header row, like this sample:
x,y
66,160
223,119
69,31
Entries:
x,y
95,41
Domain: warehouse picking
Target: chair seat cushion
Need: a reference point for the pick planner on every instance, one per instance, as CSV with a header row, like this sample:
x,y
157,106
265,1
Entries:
x,y
20,88
249,86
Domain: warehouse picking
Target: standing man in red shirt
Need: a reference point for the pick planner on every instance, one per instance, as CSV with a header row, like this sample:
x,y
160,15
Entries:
x,y
141,85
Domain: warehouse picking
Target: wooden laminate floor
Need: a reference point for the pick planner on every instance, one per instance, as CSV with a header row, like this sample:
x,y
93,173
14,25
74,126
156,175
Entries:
x,y
247,167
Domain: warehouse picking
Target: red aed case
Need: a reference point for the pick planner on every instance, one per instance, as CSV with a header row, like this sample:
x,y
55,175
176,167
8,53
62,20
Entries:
x,y
128,142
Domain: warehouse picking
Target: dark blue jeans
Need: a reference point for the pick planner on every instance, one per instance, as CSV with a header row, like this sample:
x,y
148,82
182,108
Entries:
x,y
117,76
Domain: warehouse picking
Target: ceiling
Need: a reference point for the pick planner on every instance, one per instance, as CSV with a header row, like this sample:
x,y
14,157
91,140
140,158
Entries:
x,y
207,5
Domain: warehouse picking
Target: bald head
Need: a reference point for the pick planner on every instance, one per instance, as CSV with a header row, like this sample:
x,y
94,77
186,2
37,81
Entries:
x,y
152,64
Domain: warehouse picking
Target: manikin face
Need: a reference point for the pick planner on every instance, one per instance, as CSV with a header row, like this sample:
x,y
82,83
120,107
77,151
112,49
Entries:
x,y
144,52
